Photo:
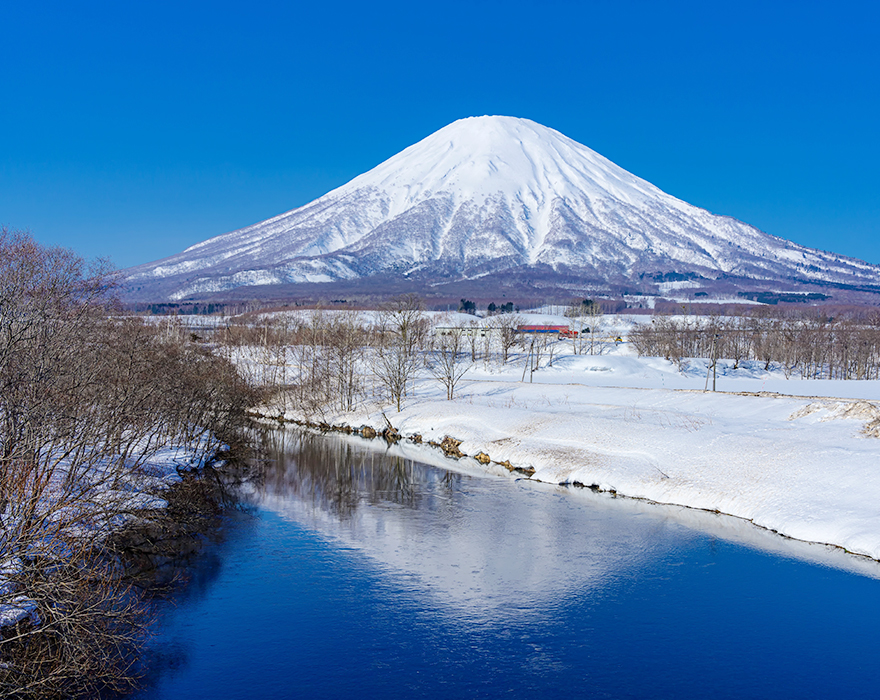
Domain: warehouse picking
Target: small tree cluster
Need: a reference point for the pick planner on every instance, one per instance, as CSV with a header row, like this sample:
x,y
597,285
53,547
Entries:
x,y
506,308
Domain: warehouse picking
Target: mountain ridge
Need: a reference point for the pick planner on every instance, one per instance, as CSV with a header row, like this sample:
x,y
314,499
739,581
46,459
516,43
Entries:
x,y
493,196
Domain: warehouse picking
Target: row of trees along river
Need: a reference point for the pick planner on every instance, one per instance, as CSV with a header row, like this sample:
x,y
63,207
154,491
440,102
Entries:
x,y
334,360
86,397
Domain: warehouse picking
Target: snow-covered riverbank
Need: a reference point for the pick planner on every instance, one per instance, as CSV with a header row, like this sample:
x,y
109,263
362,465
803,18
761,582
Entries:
x,y
115,500
798,457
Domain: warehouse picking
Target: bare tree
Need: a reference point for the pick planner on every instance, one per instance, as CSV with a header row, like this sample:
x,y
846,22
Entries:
x,y
504,327
346,340
449,361
473,332
402,328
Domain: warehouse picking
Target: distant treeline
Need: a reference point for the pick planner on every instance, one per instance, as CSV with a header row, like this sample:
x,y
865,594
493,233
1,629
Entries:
x,y
808,344
786,297
187,308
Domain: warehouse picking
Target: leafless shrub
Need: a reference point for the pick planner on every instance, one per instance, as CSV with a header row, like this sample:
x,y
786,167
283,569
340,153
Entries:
x,y
89,632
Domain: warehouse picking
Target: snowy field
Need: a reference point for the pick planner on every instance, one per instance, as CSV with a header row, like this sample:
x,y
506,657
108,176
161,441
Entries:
x,y
799,457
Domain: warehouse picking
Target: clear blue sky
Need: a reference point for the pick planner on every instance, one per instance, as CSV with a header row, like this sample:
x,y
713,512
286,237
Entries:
x,y
133,130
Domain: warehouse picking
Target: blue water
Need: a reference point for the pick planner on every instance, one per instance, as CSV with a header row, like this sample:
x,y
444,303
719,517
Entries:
x,y
367,575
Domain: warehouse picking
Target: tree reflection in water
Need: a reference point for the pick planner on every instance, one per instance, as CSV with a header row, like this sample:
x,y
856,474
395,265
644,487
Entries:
x,y
339,476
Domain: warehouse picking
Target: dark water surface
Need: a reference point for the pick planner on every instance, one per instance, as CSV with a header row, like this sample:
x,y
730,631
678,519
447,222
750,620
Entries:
x,y
366,575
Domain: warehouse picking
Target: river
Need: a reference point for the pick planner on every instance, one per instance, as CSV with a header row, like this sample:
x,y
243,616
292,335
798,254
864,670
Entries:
x,y
359,572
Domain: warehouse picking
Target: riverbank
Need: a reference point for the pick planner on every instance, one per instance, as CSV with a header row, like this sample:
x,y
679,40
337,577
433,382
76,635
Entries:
x,y
803,466
135,546
120,509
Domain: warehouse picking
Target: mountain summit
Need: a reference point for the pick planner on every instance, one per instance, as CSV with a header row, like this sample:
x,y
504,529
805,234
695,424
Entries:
x,y
490,195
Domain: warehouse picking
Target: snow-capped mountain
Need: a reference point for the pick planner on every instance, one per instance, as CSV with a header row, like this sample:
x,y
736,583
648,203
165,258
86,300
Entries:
x,y
490,195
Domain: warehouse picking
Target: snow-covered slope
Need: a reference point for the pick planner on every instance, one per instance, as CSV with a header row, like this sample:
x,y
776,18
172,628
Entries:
x,y
485,195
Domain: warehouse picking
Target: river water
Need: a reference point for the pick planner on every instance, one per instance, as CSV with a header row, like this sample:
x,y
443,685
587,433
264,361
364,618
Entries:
x,y
359,572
